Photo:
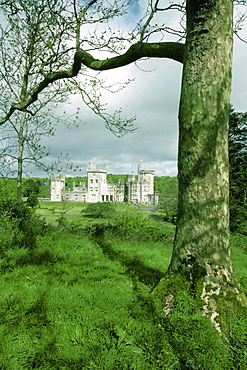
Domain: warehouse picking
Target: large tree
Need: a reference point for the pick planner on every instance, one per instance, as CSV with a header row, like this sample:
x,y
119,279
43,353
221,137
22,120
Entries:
x,y
201,260
201,257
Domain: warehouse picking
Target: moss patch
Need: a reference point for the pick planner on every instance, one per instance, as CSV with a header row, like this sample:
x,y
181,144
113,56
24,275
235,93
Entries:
x,y
231,307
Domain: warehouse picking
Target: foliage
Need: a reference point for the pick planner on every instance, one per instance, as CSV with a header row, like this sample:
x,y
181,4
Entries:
x,y
70,181
99,210
41,184
166,186
31,187
19,227
169,211
127,226
238,171
7,188
113,179
136,226
32,200
31,191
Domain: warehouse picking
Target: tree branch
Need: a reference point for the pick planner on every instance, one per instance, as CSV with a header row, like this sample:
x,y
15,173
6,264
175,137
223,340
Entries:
x,y
171,50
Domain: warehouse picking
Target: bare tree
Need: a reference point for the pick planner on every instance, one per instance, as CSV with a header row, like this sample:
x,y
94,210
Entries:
x,y
21,145
37,37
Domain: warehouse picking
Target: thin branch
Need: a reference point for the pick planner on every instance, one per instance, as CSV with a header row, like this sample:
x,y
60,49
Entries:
x,y
240,38
146,24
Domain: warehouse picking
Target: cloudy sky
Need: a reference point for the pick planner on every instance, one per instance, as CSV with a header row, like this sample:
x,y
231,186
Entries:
x,y
153,97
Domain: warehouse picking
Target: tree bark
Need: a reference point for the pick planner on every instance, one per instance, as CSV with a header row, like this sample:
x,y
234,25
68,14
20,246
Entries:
x,y
203,217
202,232
20,156
201,254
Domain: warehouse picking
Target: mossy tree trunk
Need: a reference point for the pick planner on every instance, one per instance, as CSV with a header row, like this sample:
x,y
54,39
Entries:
x,y
202,233
201,253
201,260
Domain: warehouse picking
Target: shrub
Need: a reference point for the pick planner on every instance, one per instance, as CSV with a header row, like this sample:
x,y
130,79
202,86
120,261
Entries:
x,y
169,212
238,217
136,226
129,224
99,210
32,200
19,227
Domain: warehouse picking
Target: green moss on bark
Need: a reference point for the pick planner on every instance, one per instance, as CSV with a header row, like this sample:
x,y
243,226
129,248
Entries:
x,y
231,308
220,302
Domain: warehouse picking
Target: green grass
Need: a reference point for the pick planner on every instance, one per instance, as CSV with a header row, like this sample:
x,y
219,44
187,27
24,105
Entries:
x,y
69,306
81,300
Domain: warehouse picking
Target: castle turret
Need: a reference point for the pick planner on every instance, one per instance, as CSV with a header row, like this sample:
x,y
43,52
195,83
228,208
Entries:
x,y
97,183
57,186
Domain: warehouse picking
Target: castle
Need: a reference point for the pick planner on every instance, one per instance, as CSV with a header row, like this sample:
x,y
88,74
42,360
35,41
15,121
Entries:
x,y
138,189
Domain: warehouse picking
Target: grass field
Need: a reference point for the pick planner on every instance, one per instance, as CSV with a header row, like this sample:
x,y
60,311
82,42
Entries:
x,y
81,300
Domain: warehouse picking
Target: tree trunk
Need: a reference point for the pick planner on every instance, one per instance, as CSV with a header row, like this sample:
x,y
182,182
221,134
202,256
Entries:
x,y
20,157
202,233
201,253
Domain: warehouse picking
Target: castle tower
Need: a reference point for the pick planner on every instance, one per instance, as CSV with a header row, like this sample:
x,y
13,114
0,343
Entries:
x,y
97,184
57,186
132,188
146,184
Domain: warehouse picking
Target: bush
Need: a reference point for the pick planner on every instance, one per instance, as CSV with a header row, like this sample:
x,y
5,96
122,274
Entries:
x,y
169,212
32,200
238,217
126,226
135,226
99,210
19,227
129,225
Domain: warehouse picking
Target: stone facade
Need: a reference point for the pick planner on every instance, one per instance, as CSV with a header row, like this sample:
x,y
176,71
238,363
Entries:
x,y
138,189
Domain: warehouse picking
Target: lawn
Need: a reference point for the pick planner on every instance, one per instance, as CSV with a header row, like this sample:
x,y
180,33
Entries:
x,y
80,299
